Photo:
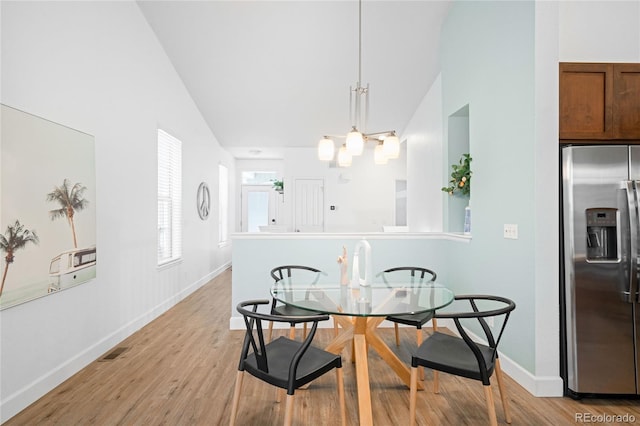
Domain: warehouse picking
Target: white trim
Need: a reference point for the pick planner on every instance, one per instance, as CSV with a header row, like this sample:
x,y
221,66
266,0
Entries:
x,y
451,236
13,404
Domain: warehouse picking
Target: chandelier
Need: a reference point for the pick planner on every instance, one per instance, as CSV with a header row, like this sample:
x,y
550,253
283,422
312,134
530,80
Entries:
x,y
387,142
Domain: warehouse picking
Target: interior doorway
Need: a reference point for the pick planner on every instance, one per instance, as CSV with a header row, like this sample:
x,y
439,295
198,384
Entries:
x,y
309,205
260,207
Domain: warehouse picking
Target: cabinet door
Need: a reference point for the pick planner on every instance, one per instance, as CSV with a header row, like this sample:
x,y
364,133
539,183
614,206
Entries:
x,y
586,101
626,106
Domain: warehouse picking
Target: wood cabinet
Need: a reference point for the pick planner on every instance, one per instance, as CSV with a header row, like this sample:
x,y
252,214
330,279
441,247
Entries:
x,y
599,101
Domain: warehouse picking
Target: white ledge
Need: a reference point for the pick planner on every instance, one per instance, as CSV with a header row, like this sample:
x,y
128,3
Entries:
x,y
451,236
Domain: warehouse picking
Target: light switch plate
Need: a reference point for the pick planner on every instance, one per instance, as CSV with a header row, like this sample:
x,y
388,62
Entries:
x,y
510,231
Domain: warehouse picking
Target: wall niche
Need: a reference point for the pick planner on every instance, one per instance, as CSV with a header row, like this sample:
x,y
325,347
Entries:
x,y
457,144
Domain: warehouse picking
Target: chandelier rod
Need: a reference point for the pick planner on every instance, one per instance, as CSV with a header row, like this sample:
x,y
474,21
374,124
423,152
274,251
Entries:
x,y
359,42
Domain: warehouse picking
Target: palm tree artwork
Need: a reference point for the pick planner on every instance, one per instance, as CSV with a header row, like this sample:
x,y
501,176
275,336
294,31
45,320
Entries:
x,y
71,199
14,238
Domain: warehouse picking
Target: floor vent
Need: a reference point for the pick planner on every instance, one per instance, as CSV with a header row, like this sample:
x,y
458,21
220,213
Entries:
x,y
114,354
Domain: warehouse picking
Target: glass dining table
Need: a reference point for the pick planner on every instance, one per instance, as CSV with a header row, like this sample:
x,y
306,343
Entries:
x,y
359,310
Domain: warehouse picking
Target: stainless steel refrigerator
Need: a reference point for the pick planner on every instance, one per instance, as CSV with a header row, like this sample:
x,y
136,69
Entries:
x,y
601,193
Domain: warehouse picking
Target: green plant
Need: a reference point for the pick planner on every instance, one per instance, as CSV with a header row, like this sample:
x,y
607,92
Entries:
x,y
460,181
278,185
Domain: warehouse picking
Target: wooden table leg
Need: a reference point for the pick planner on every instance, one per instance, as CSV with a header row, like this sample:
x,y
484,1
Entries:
x,y
362,372
401,369
361,332
343,338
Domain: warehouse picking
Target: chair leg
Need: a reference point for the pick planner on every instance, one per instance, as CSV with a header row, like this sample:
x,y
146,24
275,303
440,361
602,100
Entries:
x,y
413,395
304,334
343,406
292,332
491,408
436,381
288,417
395,326
419,342
436,378
503,395
270,330
236,398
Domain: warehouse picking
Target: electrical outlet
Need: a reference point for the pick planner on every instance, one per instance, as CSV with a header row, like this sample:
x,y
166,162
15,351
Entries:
x,y
490,322
510,231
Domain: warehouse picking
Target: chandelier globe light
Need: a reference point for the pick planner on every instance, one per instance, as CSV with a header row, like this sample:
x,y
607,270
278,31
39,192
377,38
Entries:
x,y
391,146
355,142
387,142
379,156
326,149
344,157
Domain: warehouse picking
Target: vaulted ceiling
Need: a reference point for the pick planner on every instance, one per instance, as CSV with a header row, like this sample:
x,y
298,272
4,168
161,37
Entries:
x,y
272,74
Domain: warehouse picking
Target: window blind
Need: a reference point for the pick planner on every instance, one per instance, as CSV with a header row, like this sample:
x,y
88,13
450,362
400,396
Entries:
x,y
169,198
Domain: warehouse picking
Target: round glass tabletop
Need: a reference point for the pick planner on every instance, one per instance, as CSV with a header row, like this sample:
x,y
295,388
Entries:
x,y
377,299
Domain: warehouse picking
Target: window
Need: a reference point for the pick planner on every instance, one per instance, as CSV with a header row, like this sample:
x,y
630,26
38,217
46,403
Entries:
x,y
223,202
258,178
169,198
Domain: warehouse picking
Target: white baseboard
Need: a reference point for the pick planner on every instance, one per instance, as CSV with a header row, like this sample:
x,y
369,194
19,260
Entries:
x,y
18,401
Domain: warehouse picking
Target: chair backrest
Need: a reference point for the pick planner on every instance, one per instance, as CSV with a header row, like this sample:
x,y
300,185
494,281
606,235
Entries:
x,y
287,274
417,274
288,271
500,307
254,337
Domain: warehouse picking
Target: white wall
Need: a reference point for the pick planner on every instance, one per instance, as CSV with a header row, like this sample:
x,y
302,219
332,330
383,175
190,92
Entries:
x,y
599,31
546,202
97,67
423,137
363,194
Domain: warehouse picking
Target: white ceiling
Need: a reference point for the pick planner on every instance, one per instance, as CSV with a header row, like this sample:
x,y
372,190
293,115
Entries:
x,y
272,74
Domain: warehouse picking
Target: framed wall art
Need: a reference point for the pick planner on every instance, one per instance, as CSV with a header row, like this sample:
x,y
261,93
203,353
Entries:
x,y
47,207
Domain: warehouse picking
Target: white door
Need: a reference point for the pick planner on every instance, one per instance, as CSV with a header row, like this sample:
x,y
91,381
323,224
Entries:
x,y
309,205
260,207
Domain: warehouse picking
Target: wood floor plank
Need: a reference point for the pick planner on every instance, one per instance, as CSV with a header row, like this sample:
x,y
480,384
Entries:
x,y
181,368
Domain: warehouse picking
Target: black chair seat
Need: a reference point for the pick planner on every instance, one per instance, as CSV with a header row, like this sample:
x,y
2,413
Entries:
x,y
288,310
452,355
420,277
414,320
281,351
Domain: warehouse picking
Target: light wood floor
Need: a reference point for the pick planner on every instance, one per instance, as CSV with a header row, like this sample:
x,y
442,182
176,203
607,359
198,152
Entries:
x,y
180,370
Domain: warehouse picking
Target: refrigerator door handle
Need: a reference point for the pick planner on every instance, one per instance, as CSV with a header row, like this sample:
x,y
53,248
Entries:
x,y
631,188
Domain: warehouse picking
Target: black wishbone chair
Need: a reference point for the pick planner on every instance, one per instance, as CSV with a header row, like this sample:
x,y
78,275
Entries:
x,y
286,274
417,276
462,356
284,363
